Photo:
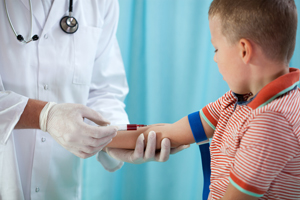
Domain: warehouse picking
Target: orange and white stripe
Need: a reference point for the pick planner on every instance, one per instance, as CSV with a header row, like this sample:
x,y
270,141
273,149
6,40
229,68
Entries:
x,y
256,144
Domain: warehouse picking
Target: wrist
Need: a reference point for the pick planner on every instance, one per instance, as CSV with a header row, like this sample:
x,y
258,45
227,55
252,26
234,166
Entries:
x,y
30,115
43,118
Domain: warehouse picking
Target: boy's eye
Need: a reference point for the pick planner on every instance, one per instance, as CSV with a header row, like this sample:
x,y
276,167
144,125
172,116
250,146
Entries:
x,y
216,50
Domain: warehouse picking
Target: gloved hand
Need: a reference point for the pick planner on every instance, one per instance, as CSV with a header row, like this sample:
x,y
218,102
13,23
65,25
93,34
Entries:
x,y
64,122
139,156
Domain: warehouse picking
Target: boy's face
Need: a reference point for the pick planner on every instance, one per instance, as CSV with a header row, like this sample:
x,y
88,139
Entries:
x,y
228,58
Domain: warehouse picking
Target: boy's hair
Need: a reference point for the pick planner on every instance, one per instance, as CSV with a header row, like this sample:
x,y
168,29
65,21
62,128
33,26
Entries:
x,y
272,24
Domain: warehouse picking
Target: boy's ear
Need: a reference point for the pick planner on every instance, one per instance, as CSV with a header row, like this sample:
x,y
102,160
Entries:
x,y
246,50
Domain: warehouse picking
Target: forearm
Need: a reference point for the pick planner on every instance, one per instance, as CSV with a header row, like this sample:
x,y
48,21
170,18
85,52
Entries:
x,y
179,133
31,114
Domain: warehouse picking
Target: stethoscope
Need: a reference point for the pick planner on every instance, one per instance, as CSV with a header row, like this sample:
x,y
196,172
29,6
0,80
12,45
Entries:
x,y
68,24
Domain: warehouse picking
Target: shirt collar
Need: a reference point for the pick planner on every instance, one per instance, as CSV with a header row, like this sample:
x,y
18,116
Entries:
x,y
276,88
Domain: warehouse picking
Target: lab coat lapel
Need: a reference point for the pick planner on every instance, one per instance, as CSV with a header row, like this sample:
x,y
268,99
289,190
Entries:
x,y
57,11
37,9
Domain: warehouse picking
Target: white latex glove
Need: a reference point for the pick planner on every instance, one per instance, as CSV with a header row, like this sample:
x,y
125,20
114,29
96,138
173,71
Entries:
x,y
64,122
139,156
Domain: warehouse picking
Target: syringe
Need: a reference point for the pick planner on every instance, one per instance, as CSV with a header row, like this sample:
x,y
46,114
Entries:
x,y
128,127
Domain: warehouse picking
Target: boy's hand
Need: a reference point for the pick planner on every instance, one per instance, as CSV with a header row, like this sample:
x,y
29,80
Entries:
x,y
139,155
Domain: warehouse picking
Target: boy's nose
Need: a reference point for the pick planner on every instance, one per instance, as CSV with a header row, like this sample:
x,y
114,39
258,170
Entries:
x,y
215,58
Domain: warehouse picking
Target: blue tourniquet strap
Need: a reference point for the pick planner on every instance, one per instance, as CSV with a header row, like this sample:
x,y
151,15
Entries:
x,y
205,157
199,135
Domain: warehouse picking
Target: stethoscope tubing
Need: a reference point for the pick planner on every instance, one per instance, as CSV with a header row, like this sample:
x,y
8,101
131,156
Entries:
x,y
12,27
65,23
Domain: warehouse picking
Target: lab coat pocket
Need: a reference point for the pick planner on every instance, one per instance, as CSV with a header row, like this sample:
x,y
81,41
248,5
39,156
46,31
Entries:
x,y
86,41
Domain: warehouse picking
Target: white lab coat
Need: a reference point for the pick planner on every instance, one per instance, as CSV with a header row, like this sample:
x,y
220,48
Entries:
x,y
85,67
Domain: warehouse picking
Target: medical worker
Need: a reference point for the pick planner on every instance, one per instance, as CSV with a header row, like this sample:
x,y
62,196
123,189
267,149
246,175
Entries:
x,y
60,63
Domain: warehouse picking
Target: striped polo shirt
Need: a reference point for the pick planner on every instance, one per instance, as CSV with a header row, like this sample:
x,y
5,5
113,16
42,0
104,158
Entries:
x,y
256,143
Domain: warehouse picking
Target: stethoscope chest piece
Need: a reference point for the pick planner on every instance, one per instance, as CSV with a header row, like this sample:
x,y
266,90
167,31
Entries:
x,y
69,24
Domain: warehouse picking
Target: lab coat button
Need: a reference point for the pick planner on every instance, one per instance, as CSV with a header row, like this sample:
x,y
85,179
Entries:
x,y
46,36
43,139
45,87
37,189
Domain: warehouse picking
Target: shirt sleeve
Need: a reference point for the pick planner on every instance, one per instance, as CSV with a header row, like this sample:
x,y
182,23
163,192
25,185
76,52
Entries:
x,y
263,153
11,108
109,86
211,112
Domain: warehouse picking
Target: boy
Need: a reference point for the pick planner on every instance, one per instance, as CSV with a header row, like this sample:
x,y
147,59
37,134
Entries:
x,y
255,127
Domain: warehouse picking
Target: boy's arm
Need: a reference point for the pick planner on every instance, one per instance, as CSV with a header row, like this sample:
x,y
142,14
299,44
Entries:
x,y
179,133
233,193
